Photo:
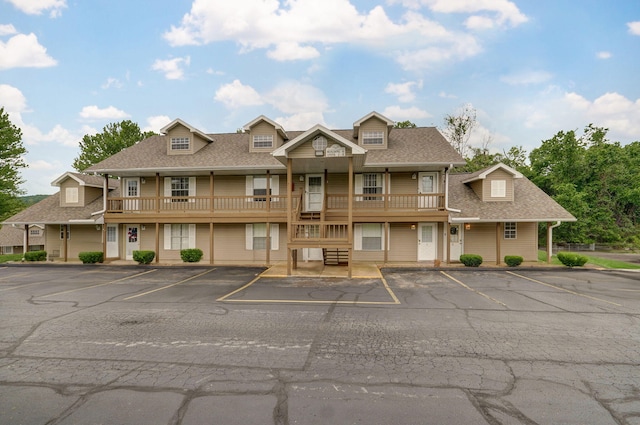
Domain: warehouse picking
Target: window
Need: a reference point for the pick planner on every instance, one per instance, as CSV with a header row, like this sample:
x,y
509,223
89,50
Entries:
x,y
71,195
257,186
7,250
372,184
111,234
372,138
510,230
179,189
62,230
368,237
260,188
180,144
179,236
256,236
262,141
34,232
498,188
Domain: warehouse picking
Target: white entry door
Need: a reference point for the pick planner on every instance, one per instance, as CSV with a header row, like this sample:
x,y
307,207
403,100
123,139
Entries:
x,y
132,191
455,233
133,239
112,241
427,239
428,185
314,192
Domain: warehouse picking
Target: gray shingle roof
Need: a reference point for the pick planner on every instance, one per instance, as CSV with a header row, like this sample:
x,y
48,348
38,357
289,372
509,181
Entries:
x,y
423,145
530,203
14,236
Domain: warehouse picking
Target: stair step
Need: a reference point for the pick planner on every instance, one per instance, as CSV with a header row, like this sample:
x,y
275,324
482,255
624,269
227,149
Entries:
x,y
335,257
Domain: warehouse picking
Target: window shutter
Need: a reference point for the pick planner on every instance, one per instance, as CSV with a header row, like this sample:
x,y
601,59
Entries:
x,y
357,237
167,237
275,237
192,236
275,185
249,187
358,188
167,189
192,189
249,237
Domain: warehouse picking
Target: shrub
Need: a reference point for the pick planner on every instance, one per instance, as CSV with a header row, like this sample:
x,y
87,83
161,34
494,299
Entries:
x,y
144,257
471,260
35,256
192,255
513,260
91,257
571,259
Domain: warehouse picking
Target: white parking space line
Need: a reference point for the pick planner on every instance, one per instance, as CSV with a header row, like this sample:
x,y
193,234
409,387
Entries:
x,y
168,286
99,284
473,290
565,290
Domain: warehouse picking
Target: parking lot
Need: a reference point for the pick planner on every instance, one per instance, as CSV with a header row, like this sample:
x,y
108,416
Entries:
x,y
220,345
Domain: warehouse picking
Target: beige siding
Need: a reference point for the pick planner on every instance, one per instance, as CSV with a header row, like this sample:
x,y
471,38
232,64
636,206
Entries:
x,y
198,142
373,124
402,183
477,186
481,240
338,184
304,150
403,243
82,238
262,128
180,131
498,175
89,194
71,183
525,244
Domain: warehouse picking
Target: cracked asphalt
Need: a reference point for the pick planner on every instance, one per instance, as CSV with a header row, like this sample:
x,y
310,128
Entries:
x,y
216,345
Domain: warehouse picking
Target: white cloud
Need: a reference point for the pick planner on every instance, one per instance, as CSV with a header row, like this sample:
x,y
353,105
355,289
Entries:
x,y
397,113
506,12
479,23
604,55
24,51
36,7
92,112
404,91
7,30
299,29
446,95
236,95
293,97
172,68
41,164
112,83
634,27
526,78
156,122
301,121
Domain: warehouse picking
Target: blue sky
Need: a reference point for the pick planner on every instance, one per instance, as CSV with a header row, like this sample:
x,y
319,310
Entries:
x,y
530,68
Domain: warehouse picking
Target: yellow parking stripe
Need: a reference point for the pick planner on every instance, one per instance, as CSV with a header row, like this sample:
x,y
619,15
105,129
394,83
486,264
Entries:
x,y
168,286
99,284
473,290
563,289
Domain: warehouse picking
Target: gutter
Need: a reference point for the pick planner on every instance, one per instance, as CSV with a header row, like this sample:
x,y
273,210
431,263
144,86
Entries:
x,y
446,191
105,190
550,239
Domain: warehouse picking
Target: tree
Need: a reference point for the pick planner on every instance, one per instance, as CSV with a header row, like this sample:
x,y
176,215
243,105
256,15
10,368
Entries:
x,y
114,138
405,124
11,161
458,128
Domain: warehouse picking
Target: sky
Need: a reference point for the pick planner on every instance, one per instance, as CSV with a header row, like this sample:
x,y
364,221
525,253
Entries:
x,y
530,68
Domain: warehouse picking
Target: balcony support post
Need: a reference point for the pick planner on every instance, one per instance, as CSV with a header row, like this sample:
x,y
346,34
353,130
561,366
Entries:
x,y
350,217
157,242
289,214
157,193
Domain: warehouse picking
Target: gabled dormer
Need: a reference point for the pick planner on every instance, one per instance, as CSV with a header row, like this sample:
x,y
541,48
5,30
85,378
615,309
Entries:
x,y
494,184
265,135
372,131
78,190
183,139
319,143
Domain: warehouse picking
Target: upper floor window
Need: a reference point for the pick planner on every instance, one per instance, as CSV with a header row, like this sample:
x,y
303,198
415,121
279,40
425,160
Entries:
x,y
372,138
498,188
372,184
34,232
180,144
71,195
510,230
263,141
179,189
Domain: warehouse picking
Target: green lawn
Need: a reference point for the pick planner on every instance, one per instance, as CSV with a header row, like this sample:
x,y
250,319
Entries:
x,y
596,261
10,257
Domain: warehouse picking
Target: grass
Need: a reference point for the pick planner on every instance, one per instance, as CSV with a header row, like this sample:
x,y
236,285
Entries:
x,y
10,257
596,261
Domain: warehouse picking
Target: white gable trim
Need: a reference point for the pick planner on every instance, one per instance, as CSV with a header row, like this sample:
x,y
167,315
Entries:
x,y
500,165
178,121
381,117
283,151
278,127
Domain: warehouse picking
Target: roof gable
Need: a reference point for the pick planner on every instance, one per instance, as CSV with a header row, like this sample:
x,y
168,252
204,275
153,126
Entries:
x,y
370,115
482,174
261,118
284,150
84,180
164,130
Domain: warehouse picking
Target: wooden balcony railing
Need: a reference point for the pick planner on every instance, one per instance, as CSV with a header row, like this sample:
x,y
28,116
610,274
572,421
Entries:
x,y
317,231
406,202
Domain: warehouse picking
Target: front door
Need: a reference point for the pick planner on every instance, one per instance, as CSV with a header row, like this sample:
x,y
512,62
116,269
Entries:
x,y
427,241
455,245
314,192
133,240
132,191
112,241
428,185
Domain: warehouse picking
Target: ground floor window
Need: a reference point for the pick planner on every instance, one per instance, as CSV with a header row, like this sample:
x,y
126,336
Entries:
x,y
369,237
256,236
64,227
510,230
179,236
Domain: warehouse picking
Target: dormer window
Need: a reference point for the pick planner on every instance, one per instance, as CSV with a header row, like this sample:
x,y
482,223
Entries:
x,y
180,144
373,138
498,188
261,141
71,195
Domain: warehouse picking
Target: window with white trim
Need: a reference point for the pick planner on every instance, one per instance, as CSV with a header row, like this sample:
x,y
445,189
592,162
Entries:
x,y
498,188
510,230
34,232
179,189
372,184
257,186
373,138
256,236
112,234
179,236
369,237
62,229
263,141
180,144
71,195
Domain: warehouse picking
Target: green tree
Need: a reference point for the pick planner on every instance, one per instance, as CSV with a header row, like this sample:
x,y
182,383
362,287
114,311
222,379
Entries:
x,y
458,128
114,138
11,161
404,124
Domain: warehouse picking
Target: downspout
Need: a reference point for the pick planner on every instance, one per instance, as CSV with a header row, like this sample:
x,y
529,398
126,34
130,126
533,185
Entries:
x,y
446,190
105,189
550,240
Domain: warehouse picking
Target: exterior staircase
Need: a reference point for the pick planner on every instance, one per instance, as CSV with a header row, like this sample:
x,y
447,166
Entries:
x,y
335,256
